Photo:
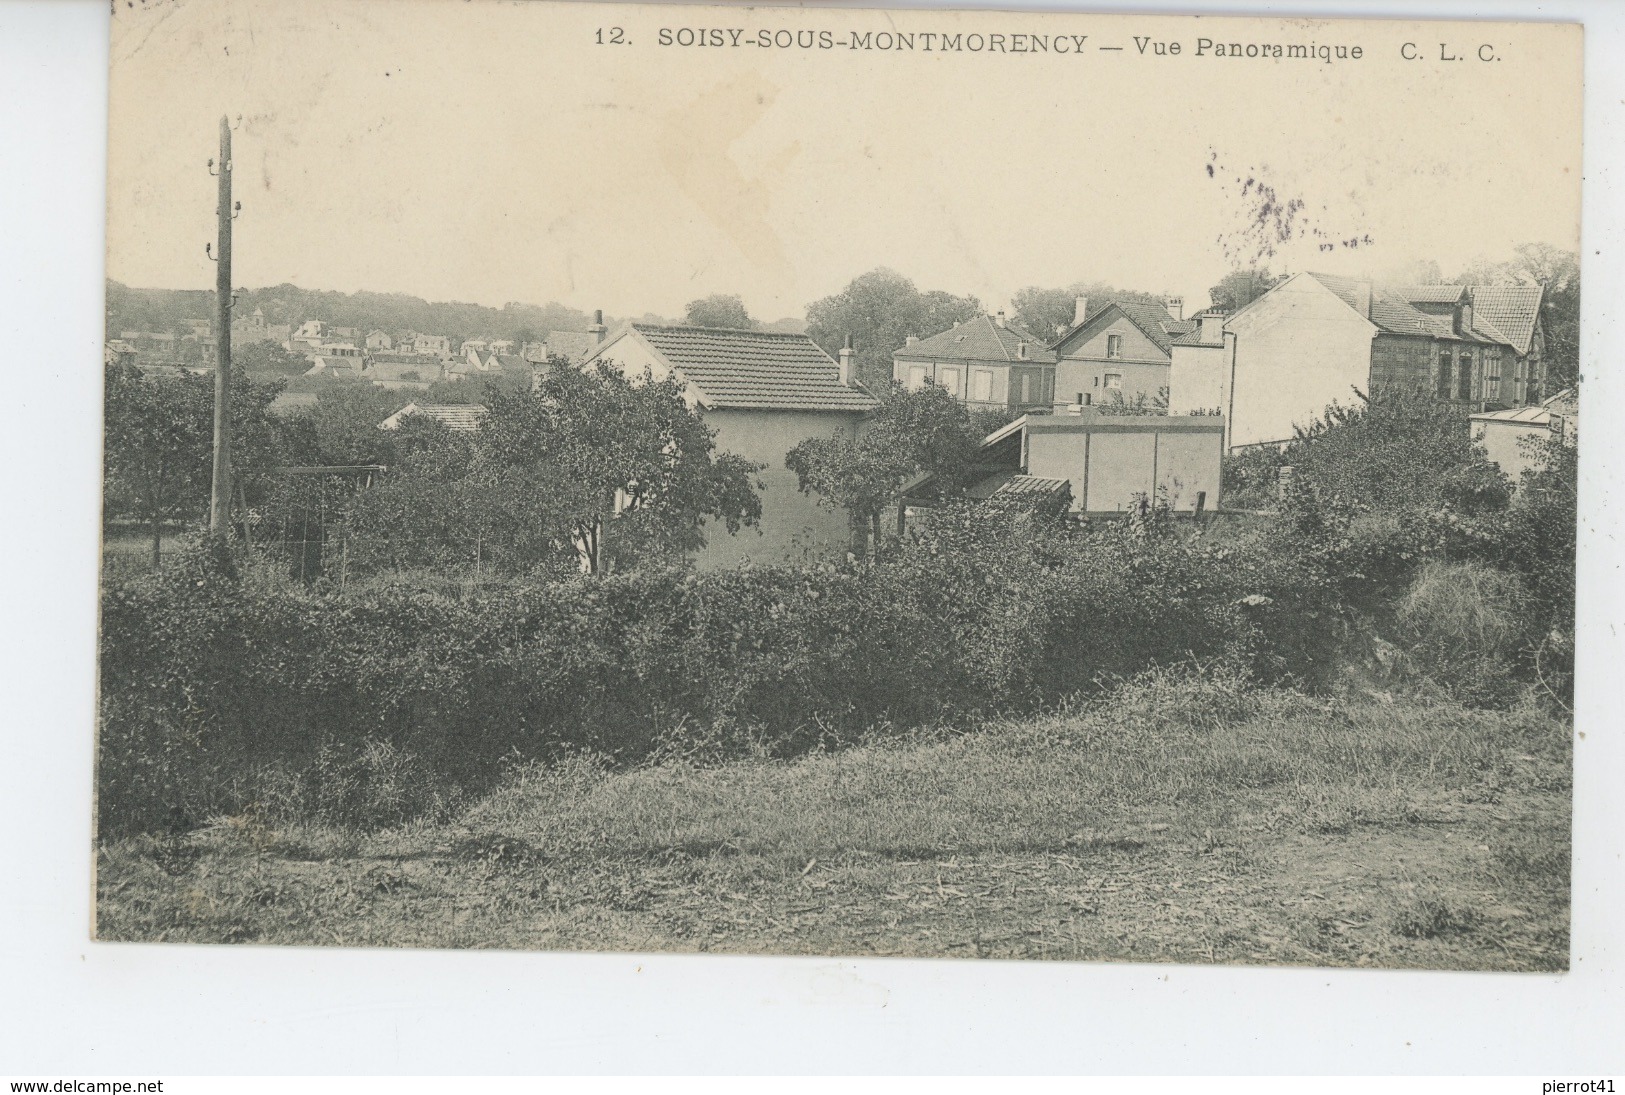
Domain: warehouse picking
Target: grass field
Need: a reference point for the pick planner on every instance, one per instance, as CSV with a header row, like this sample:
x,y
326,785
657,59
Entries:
x,y
1177,821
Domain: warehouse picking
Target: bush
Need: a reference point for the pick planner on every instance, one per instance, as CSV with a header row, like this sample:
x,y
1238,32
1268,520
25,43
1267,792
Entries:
x,y
221,694
1466,625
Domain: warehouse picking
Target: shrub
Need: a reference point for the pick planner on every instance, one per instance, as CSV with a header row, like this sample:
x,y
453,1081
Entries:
x,y
1465,625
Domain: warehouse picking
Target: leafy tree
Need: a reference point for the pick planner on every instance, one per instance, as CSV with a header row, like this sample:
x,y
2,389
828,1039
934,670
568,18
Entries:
x,y
344,423
1142,404
1559,272
1047,312
879,310
593,470
268,360
719,310
1240,288
912,431
159,443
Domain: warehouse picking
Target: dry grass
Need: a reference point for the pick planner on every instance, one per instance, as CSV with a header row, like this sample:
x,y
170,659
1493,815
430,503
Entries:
x,y
1181,821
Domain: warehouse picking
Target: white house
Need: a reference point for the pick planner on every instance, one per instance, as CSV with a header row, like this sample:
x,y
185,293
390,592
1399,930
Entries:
x,y
764,393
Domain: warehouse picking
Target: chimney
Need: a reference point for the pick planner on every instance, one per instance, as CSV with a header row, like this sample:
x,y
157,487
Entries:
x,y
846,364
1000,319
912,340
1175,306
1080,310
1466,316
1021,349
1212,326
597,330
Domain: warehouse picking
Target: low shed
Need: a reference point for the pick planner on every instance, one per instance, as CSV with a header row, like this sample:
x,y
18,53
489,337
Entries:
x,y
1110,462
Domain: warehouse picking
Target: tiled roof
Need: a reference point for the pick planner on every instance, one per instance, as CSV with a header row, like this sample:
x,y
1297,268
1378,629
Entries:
x,y
456,416
980,339
1504,315
573,346
754,369
1512,309
512,365
1385,308
1157,323
1007,484
1429,294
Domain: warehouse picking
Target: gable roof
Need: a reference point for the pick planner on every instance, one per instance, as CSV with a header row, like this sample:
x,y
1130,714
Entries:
x,y
980,339
456,416
753,370
1153,320
1511,309
1501,314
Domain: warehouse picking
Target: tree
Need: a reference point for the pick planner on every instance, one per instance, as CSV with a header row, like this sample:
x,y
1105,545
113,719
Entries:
x,y
345,421
879,310
912,431
1558,271
1048,312
719,310
1240,288
159,442
268,360
593,469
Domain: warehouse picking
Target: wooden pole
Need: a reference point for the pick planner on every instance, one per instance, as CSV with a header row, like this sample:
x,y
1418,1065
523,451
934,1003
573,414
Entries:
x,y
220,494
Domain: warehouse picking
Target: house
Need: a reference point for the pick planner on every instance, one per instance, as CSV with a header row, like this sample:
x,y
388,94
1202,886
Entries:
x,y
1107,463
379,341
403,370
987,363
573,346
1512,436
763,393
1122,353
247,330
439,345
512,368
335,368
1315,338
118,352
1197,362
456,416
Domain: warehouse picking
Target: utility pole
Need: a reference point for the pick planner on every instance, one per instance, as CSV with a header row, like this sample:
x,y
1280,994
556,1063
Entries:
x,y
220,495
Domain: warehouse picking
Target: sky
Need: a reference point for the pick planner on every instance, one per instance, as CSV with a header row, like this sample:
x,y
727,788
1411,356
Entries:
x,y
494,151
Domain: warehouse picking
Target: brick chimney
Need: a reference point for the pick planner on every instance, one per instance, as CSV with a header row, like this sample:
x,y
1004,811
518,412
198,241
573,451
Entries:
x,y
1211,329
848,380
597,330
1175,306
1080,310
1000,318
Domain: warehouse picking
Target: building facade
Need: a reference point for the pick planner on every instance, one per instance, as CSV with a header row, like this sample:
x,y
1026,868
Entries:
x,y
1317,339
1122,353
987,363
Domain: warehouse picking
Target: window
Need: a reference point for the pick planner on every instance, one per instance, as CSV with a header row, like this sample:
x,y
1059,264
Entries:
x,y
916,377
1492,375
949,378
1443,387
1464,375
1026,387
1114,381
983,391
1114,345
